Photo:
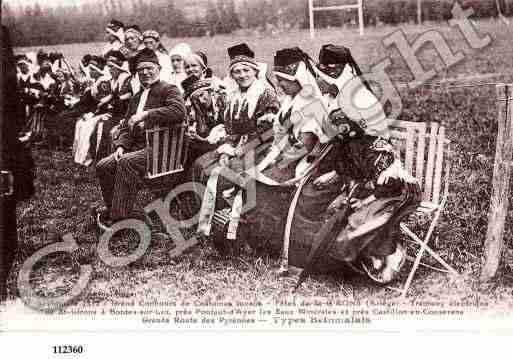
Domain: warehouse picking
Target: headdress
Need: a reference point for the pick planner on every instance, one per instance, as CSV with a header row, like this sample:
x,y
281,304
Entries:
x,y
181,50
134,29
333,54
152,34
192,84
241,53
116,29
115,58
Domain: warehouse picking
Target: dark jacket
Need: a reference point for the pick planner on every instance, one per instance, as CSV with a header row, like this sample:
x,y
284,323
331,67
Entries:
x,y
14,156
164,105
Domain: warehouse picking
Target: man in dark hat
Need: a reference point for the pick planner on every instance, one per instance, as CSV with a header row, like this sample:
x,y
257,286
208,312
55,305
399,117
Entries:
x,y
157,103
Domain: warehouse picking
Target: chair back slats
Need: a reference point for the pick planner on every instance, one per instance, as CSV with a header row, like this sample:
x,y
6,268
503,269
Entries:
x,y
408,156
180,153
155,155
165,150
422,148
172,151
439,165
430,161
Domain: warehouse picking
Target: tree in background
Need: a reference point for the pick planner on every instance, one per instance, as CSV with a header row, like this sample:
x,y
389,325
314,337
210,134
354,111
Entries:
x,y
212,18
42,25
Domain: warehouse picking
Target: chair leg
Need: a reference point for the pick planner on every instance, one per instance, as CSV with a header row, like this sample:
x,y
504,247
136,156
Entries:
x,y
417,240
423,247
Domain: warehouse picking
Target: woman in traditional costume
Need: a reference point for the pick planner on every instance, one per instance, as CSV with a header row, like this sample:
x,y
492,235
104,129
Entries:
x,y
151,40
41,88
359,224
133,44
66,95
94,106
24,75
115,32
177,56
115,104
263,70
344,87
250,112
206,107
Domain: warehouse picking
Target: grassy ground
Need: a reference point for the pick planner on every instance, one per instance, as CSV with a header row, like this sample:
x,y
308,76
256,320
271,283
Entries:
x,y
65,191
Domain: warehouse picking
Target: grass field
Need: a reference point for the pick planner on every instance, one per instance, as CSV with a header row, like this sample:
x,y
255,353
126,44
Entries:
x,y
66,191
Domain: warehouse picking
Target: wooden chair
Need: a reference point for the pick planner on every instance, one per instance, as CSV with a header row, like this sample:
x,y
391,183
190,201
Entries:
x,y
424,148
166,154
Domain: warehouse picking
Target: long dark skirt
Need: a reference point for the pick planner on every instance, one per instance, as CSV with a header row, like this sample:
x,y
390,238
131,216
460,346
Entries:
x,y
62,127
101,139
204,165
368,231
264,225
38,122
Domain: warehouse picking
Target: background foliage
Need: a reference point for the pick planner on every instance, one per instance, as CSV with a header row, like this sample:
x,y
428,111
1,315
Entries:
x,y
39,24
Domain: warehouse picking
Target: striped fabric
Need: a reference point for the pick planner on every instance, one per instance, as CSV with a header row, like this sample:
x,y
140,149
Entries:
x,y
120,182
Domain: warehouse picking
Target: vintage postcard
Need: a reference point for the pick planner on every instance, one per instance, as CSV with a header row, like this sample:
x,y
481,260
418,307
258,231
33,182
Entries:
x,y
173,166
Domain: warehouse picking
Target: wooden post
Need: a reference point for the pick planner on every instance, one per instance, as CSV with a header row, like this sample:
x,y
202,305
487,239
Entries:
x,y
419,12
499,202
311,18
360,16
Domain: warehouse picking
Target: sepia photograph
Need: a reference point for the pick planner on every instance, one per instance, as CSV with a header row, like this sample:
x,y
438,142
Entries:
x,y
173,166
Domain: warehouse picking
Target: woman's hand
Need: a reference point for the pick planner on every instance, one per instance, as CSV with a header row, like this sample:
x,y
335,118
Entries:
x,y
224,160
267,119
326,179
356,203
136,119
337,203
105,117
119,153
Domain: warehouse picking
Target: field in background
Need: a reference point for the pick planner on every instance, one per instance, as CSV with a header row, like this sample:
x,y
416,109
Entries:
x,y
65,191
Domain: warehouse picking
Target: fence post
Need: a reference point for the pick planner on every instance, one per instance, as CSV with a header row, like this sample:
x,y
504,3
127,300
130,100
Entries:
x,y
419,12
499,202
311,18
361,25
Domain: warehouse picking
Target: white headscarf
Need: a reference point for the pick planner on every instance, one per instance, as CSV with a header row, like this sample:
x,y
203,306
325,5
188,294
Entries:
x,y
309,94
182,49
357,101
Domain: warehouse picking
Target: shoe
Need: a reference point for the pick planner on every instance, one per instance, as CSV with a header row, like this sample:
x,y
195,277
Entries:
x,y
102,217
393,264
377,263
385,270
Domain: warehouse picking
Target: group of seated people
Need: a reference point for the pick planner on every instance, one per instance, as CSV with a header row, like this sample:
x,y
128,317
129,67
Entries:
x,y
278,130
46,87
